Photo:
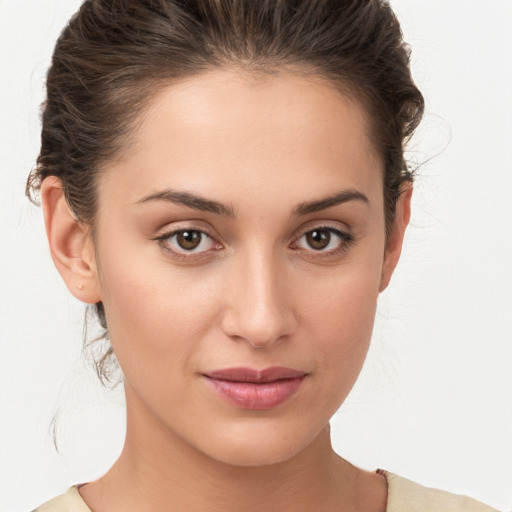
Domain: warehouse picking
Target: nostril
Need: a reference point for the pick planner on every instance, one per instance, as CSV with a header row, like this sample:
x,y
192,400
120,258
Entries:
x,y
258,307
260,332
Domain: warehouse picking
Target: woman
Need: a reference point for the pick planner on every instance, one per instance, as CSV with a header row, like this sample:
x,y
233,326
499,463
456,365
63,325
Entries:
x,y
227,186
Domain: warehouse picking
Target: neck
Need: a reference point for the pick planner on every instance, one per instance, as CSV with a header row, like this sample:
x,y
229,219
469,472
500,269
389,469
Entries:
x,y
159,471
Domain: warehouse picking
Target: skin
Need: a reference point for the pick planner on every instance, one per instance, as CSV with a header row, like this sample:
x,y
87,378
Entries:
x,y
254,293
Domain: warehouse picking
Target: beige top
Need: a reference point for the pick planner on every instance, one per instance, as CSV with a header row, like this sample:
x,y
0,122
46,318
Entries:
x,y
403,496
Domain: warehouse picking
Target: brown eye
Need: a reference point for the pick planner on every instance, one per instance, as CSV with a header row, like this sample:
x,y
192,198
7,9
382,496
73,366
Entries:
x,y
318,239
324,240
188,240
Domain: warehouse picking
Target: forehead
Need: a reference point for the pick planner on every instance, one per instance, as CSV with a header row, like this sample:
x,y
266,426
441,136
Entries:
x,y
228,128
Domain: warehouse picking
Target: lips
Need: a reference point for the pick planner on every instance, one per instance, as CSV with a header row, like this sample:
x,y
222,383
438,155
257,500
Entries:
x,y
248,388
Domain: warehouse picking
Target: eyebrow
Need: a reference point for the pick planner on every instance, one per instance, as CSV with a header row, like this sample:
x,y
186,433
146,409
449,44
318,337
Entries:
x,y
337,198
190,200
207,205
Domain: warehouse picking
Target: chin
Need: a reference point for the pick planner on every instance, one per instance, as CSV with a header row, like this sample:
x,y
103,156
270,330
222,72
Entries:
x,y
262,446
257,457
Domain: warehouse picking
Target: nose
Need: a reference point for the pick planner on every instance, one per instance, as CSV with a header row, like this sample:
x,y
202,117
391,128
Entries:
x,y
259,309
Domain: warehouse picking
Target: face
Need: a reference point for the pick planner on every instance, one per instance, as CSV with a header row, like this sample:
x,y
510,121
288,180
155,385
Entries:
x,y
240,251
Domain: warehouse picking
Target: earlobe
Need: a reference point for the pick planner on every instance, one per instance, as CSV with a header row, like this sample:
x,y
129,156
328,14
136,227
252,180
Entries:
x,y
71,246
396,234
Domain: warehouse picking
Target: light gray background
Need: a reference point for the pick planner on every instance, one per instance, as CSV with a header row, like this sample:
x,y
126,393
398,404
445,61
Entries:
x,y
434,402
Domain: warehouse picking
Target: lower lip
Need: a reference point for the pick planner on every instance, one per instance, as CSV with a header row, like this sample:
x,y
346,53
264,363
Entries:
x,y
249,395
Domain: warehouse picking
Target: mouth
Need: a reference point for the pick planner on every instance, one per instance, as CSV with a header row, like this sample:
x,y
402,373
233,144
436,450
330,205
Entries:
x,y
248,388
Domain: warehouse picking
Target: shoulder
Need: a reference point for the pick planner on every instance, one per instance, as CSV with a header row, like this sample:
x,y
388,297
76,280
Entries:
x,y
403,496
70,501
407,496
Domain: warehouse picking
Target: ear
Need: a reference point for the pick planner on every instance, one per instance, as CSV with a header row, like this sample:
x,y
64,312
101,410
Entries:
x,y
71,245
396,234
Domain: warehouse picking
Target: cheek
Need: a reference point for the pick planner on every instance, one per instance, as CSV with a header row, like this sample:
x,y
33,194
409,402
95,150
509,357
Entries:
x,y
156,315
162,318
345,320
338,315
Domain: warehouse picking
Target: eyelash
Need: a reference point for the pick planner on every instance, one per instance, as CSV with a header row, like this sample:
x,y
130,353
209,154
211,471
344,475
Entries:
x,y
346,241
185,255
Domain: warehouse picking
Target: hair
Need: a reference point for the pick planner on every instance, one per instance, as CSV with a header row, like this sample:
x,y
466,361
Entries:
x,y
114,56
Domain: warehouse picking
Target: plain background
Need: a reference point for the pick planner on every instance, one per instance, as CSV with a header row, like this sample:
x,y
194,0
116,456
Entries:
x,y
434,402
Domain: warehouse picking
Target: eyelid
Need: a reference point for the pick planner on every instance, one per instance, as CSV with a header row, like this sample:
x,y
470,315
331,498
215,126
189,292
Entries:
x,y
347,240
167,233
345,235
321,224
179,224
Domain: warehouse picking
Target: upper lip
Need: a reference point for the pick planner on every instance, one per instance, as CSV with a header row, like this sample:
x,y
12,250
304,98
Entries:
x,y
256,376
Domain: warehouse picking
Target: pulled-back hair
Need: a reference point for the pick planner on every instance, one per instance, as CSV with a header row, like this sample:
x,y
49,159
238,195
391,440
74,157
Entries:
x,y
115,55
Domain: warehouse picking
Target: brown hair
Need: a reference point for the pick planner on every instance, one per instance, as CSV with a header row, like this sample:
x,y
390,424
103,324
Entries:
x,y
115,55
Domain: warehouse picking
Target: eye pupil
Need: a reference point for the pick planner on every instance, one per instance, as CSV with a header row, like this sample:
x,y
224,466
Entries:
x,y
188,240
318,239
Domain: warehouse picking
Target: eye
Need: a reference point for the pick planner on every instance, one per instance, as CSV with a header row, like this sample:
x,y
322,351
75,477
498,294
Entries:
x,y
187,241
324,239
